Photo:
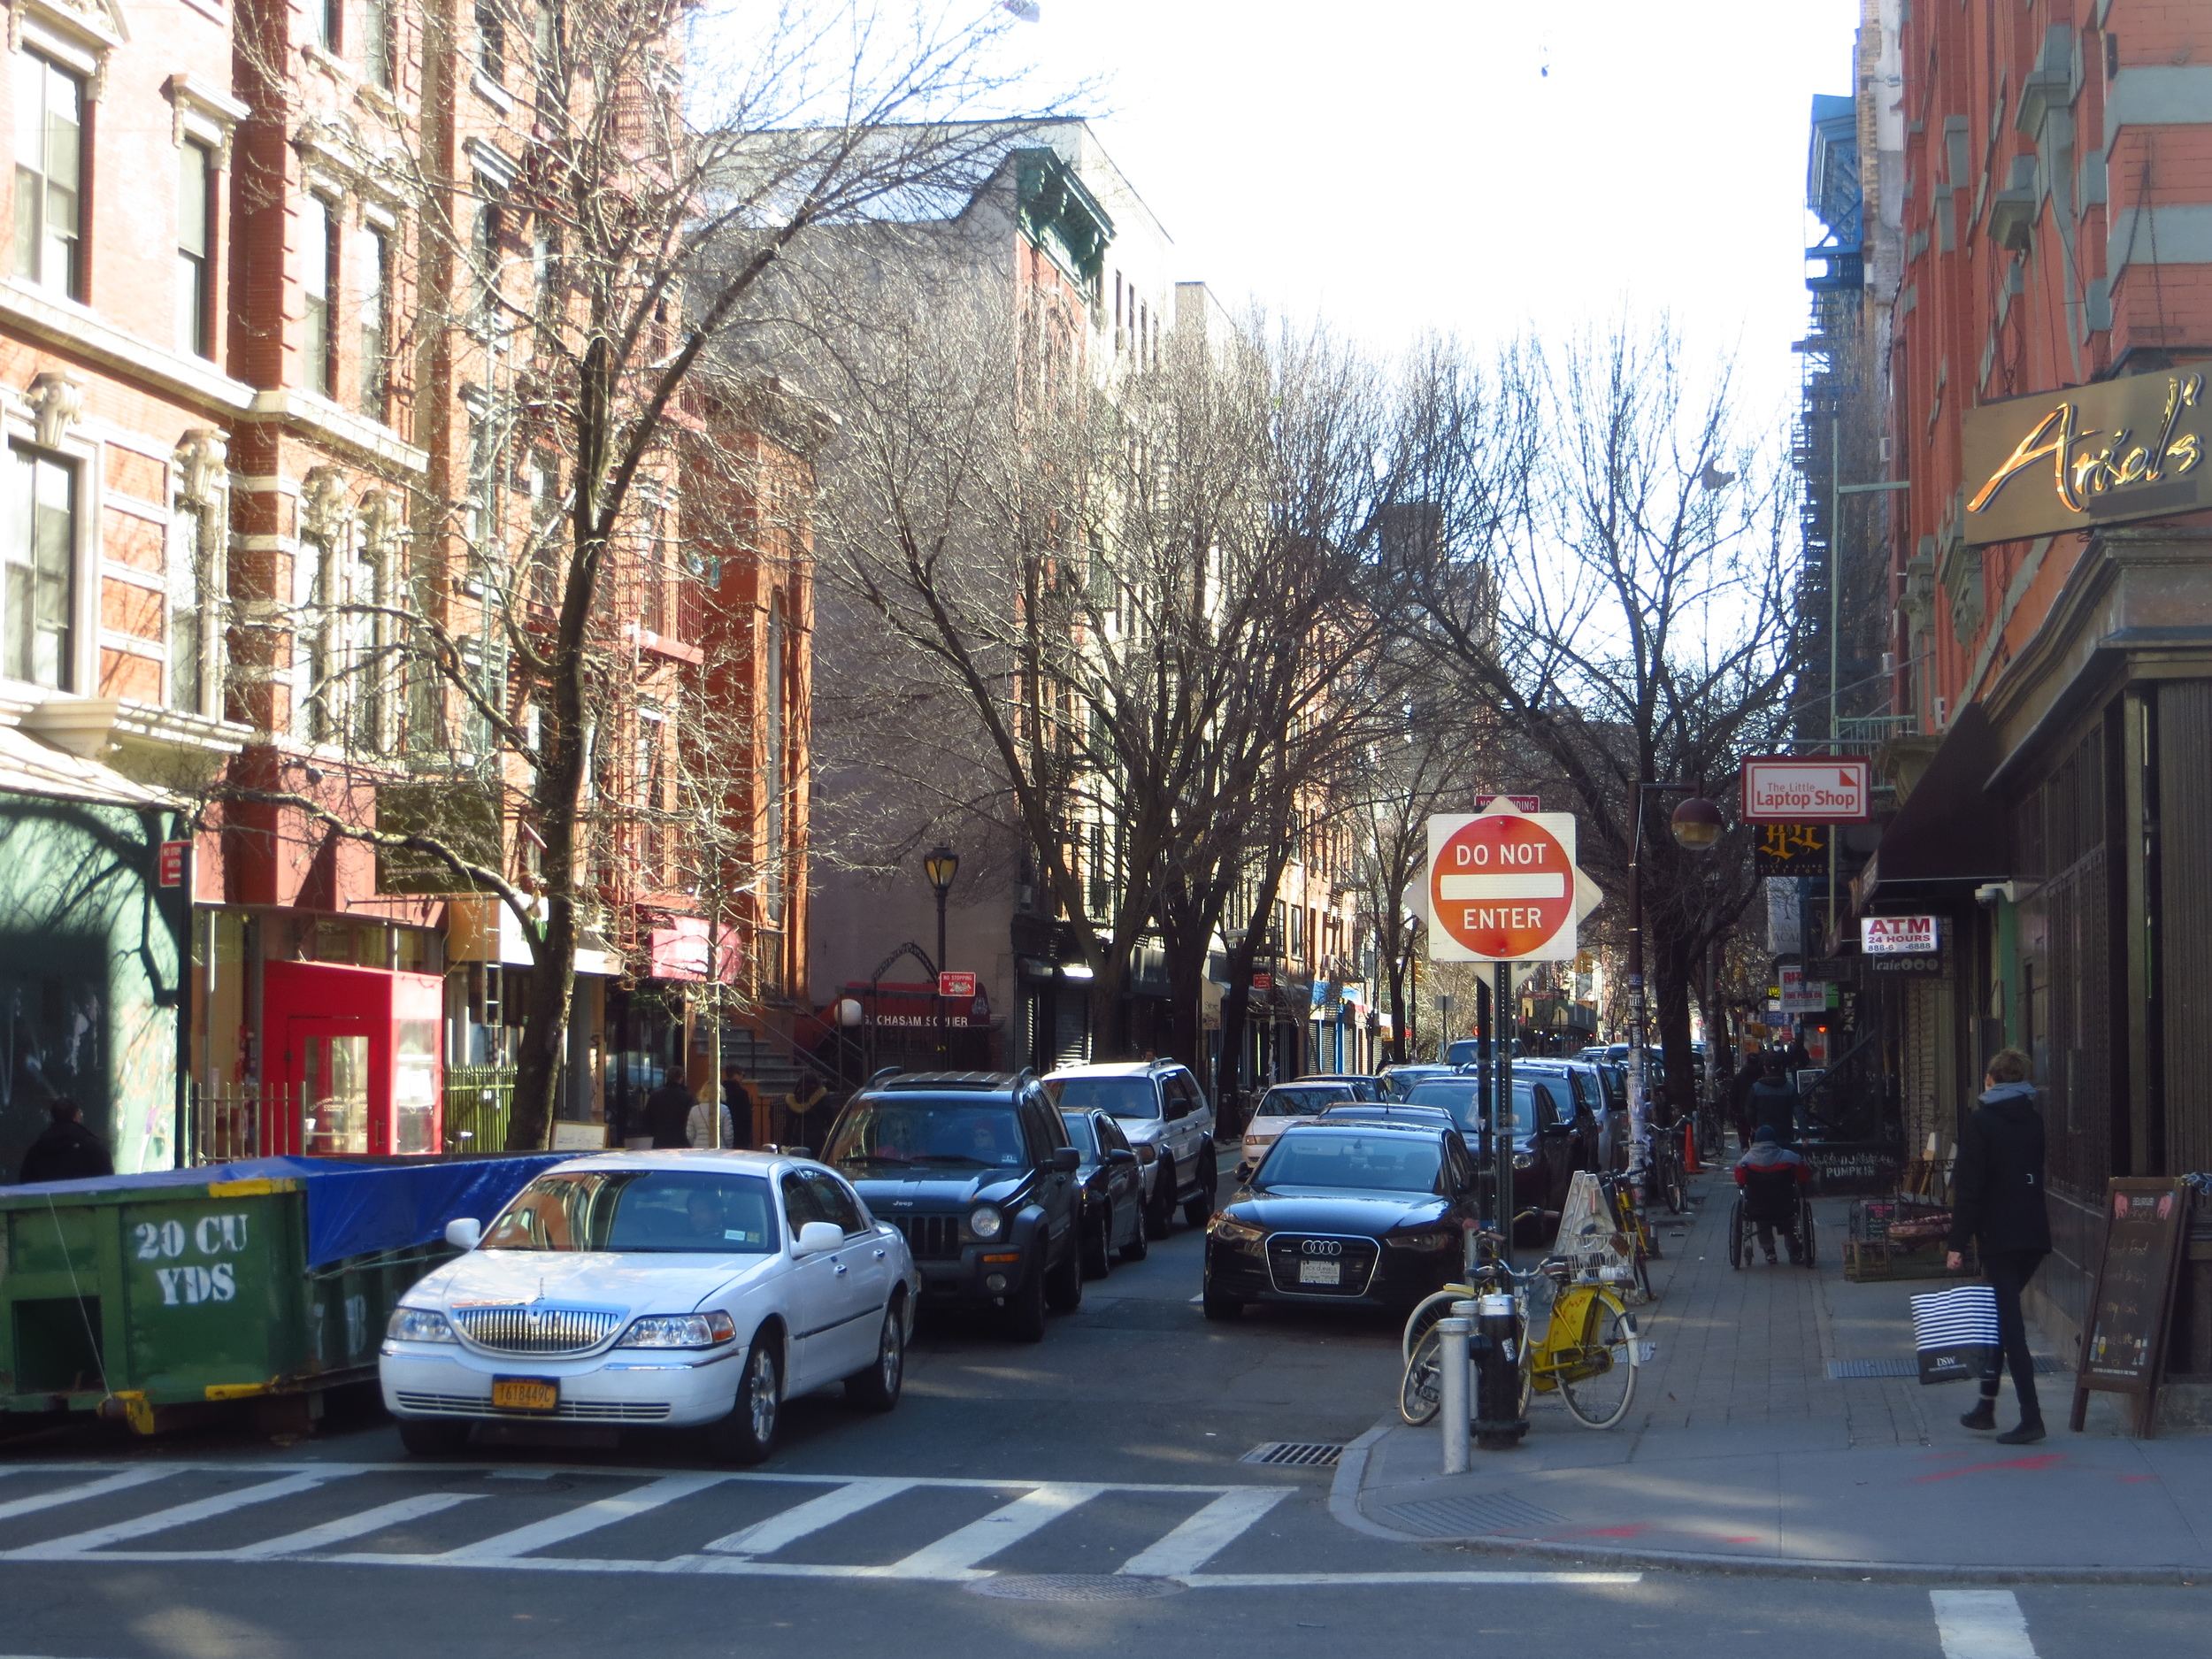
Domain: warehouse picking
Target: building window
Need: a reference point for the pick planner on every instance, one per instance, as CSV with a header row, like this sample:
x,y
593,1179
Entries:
x,y
545,530
374,259
319,264
196,233
312,670
380,44
330,26
491,40
48,175
41,605
187,599
480,516
490,231
365,700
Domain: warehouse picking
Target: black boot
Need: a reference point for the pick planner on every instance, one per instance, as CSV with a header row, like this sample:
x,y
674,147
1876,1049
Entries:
x,y
2030,1430
1984,1415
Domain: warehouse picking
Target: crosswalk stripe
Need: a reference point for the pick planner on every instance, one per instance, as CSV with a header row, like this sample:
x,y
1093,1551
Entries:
x,y
955,1554
1205,1534
1981,1625
338,1531
162,1520
588,1518
763,1537
1295,1580
123,1482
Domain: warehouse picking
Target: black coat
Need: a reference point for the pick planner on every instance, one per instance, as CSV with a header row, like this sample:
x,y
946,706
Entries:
x,y
1998,1179
67,1152
668,1115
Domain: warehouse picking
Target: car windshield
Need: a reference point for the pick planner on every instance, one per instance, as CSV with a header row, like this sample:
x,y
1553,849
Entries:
x,y
891,1132
1302,1100
699,1212
1345,1157
1461,1097
1081,1135
1122,1097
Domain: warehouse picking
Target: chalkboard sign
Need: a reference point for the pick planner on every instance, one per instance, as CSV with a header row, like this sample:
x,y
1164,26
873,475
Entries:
x,y
2123,1340
1854,1167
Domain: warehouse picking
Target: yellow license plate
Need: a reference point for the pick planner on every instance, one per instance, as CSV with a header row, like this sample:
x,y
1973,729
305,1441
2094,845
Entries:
x,y
525,1393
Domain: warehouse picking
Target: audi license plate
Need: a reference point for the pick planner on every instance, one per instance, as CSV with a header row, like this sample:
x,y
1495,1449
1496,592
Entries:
x,y
1320,1272
525,1393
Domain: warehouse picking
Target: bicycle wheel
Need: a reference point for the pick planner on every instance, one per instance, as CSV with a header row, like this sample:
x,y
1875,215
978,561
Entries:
x,y
1421,1390
1597,1373
1437,1305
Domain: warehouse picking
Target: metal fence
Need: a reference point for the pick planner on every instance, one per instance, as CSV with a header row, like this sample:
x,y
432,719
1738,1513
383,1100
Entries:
x,y
237,1121
477,1100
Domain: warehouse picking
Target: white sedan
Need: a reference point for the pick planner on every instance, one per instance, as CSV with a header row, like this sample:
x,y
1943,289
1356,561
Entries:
x,y
1283,1105
671,1288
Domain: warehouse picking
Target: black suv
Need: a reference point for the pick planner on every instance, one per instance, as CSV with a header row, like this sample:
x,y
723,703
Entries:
x,y
975,1169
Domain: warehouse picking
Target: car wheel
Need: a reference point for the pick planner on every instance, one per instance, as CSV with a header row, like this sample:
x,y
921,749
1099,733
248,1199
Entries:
x,y
1024,1313
1139,1247
1063,1283
877,1388
1098,1260
1226,1309
1200,1210
432,1437
1162,1214
748,1433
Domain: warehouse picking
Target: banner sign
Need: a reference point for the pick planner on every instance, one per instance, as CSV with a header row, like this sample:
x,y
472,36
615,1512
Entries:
x,y
1805,789
1899,935
1801,995
1790,850
2132,447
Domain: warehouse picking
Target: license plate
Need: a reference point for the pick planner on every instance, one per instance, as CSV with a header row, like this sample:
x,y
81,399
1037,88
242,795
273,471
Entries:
x,y
525,1393
1320,1272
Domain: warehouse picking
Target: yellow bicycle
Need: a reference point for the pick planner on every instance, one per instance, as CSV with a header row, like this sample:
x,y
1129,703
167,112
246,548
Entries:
x,y
1586,1351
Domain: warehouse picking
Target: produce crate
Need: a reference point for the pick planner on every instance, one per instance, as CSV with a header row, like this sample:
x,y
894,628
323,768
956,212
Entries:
x,y
1897,1238
269,1279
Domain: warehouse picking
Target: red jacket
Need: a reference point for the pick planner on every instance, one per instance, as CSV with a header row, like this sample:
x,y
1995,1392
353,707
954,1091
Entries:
x,y
1767,1156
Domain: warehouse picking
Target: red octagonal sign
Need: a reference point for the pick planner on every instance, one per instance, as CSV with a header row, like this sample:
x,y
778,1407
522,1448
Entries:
x,y
1501,887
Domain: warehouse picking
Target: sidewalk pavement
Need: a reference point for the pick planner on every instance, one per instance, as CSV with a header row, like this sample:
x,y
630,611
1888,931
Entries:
x,y
1742,1452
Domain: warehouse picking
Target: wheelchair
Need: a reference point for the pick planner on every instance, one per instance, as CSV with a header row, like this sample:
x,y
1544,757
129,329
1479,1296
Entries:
x,y
1785,1210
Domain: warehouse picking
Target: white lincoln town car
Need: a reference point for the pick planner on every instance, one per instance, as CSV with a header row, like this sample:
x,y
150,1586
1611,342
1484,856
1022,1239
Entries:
x,y
668,1289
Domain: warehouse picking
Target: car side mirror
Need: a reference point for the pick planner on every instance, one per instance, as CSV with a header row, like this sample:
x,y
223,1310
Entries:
x,y
463,1232
1121,1154
818,1238
1066,1160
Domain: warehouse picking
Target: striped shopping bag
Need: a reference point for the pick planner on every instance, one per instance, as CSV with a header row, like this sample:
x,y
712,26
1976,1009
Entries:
x,y
1955,1334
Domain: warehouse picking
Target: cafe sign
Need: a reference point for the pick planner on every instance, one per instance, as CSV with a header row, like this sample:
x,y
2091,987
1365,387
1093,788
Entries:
x,y
2133,447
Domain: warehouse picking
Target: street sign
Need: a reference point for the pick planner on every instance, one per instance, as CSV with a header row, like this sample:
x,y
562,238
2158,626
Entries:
x,y
172,866
1519,803
1899,935
958,984
1805,789
1262,981
1801,995
1502,887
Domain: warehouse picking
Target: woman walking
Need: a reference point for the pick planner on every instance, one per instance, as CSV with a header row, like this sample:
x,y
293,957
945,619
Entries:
x,y
1998,1201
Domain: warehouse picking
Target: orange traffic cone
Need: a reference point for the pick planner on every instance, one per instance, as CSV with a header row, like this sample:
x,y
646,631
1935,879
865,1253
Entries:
x,y
1690,1165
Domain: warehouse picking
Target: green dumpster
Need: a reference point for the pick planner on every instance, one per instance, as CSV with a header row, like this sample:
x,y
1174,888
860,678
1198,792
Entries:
x,y
269,1279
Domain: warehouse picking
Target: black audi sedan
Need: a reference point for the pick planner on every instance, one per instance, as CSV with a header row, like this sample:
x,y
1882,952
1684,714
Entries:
x,y
1368,1214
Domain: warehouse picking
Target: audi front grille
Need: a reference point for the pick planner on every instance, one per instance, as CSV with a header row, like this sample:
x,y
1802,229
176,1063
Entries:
x,y
931,1238
529,1328
1356,1258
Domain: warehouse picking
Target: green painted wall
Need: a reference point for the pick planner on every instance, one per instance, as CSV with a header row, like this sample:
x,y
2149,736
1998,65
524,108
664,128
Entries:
x,y
89,977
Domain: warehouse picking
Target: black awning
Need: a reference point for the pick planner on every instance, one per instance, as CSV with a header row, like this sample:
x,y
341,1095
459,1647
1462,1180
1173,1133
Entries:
x,y
1950,832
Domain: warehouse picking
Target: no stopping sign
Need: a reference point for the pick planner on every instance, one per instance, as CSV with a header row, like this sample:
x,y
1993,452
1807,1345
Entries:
x,y
1502,887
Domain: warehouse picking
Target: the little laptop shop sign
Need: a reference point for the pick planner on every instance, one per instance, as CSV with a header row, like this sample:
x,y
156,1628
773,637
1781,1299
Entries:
x,y
1899,936
1805,789
2133,447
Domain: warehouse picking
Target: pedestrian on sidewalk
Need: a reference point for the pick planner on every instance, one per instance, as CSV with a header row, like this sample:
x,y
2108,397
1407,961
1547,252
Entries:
x,y
1774,1101
65,1150
699,1124
668,1112
1772,1178
1998,1200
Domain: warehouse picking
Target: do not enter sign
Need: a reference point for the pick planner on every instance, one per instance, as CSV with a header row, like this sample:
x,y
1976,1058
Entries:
x,y
1502,887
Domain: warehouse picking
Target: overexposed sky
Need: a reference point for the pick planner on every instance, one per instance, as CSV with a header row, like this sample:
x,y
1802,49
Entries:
x,y
1397,166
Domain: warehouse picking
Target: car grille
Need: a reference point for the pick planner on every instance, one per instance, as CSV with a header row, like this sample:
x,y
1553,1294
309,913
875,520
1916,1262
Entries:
x,y
571,1410
1356,1257
931,1238
529,1328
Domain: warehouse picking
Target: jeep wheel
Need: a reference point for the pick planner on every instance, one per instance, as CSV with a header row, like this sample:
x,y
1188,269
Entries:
x,y
1025,1312
1161,1216
1200,1210
1063,1283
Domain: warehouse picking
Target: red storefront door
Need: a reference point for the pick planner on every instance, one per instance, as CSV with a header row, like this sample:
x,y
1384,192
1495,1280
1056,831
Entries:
x,y
359,1058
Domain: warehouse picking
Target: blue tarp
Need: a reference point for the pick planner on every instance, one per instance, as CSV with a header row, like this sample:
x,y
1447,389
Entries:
x,y
353,1208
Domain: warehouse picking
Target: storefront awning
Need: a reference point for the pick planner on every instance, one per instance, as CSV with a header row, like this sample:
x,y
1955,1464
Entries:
x,y
1950,833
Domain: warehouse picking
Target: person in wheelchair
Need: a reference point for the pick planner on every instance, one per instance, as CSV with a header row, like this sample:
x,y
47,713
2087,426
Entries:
x,y
1774,1181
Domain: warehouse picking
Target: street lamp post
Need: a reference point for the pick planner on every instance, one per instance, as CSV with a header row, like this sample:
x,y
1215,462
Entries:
x,y
1696,825
941,865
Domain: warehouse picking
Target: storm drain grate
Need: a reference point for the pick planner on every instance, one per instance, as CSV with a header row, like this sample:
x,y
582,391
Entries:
x,y
1074,1587
1841,1369
1295,1454
1458,1517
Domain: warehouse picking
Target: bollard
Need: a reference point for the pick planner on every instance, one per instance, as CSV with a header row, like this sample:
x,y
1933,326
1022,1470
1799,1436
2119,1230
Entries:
x,y
1452,1365
1499,1425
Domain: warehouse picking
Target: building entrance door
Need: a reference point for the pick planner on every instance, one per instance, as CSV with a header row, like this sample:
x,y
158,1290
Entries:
x,y
330,1079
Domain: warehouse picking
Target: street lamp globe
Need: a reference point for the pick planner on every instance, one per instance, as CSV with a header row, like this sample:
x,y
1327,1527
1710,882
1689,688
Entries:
x,y
1696,824
940,864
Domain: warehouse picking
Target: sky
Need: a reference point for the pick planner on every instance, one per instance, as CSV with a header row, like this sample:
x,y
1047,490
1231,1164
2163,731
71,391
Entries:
x,y
1404,166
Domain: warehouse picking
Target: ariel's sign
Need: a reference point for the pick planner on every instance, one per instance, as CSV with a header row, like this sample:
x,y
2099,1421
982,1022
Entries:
x,y
2133,447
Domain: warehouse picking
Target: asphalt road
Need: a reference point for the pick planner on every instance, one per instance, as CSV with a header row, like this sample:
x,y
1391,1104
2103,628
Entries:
x,y
1098,1477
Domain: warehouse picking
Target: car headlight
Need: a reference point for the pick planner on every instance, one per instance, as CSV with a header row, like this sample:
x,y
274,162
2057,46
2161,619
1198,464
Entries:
x,y
680,1330
1146,1153
1523,1160
1229,1229
419,1324
984,1222
1427,1242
